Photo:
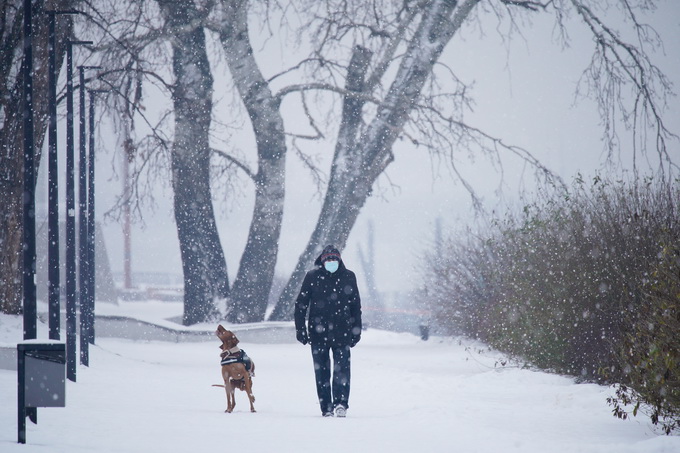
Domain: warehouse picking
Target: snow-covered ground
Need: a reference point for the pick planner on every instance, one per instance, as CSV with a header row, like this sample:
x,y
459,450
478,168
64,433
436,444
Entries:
x,y
443,395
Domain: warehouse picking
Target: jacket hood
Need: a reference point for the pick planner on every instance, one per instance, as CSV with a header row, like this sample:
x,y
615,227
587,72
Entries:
x,y
328,250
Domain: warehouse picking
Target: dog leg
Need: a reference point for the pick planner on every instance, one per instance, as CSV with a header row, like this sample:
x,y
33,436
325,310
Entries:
x,y
231,403
229,392
227,388
249,392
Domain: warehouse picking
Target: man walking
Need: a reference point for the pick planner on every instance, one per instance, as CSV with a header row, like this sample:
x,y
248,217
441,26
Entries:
x,y
328,316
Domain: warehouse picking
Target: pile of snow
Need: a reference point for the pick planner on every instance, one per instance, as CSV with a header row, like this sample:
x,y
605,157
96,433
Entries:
x,y
407,395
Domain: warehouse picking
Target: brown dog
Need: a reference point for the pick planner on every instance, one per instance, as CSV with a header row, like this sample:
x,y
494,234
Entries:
x,y
234,371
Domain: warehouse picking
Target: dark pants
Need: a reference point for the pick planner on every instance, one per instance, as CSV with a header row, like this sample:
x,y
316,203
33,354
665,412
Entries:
x,y
341,375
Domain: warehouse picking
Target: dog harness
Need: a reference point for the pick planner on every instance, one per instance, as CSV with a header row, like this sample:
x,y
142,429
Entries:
x,y
239,356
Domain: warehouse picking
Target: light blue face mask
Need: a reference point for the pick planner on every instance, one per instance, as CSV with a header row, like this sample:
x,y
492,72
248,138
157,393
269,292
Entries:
x,y
331,266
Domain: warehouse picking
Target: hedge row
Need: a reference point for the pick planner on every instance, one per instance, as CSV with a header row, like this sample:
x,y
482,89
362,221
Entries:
x,y
584,282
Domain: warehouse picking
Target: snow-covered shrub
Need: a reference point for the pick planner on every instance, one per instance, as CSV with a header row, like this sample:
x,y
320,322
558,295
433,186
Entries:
x,y
650,349
557,282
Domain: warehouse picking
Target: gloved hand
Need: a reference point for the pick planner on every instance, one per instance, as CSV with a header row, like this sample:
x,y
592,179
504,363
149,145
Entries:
x,y
301,336
355,339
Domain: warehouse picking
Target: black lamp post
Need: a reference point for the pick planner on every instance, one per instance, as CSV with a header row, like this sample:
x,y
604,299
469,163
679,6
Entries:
x,y
53,190
28,232
70,220
54,284
91,222
83,224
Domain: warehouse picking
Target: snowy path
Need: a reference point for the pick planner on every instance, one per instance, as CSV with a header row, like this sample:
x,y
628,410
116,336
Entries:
x,y
407,396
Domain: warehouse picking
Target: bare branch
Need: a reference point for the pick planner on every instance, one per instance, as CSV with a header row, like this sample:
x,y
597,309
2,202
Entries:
x,y
235,161
324,87
388,56
317,60
533,6
310,118
317,174
617,63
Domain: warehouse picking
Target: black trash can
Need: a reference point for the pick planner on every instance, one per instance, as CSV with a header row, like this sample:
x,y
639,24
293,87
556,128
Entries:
x,y
41,378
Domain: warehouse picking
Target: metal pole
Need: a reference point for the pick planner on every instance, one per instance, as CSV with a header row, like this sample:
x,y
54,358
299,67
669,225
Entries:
x,y
82,222
29,290
91,226
70,220
70,225
83,225
127,230
91,222
53,276
21,398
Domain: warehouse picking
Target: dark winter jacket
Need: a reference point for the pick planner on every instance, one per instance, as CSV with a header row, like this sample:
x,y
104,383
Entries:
x,y
331,303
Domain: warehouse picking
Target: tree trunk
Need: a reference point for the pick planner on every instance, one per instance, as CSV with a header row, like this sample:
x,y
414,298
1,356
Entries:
x,y
250,292
11,134
333,216
356,168
203,262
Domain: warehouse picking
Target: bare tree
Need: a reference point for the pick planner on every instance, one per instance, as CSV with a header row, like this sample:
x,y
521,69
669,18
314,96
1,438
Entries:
x,y
250,292
203,263
382,60
138,42
364,147
134,39
401,87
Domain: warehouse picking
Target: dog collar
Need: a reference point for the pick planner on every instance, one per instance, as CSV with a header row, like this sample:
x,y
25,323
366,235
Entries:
x,y
233,350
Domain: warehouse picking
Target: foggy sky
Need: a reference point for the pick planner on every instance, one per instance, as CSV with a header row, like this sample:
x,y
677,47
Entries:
x,y
524,94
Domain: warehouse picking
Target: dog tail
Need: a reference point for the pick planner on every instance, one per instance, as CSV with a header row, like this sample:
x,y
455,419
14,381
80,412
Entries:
x,y
218,385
